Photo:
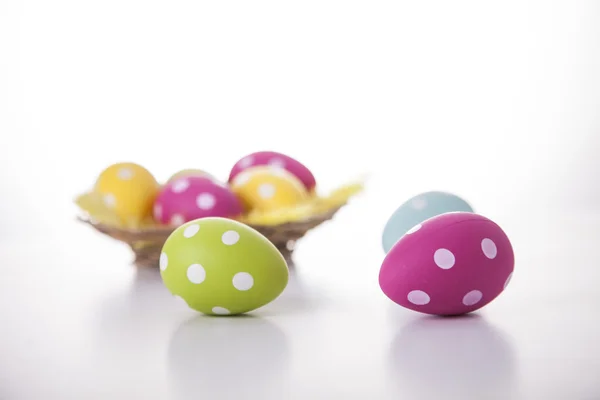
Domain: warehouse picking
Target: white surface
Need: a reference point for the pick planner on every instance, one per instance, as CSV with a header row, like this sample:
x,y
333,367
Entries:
x,y
497,102
78,322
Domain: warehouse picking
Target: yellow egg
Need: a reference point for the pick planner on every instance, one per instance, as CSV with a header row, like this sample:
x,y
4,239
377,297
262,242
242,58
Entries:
x,y
129,189
268,188
280,216
190,172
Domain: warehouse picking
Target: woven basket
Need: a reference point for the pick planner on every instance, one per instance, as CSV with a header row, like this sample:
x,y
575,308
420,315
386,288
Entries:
x,y
147,243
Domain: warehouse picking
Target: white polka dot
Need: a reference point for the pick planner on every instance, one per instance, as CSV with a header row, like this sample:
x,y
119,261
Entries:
x,y
243,281
266,190
206,201
246,162
177,219
125,174
444,258
489,248
180,185
110,200
473,297
191,230
241,178
419,203
157,211
220,311
230,238
508,280
418,297
163,261
196,273
277,163
280,172
414,229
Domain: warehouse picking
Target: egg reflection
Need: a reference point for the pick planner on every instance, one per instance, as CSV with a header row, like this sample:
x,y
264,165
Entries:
x,y
223,358
459,358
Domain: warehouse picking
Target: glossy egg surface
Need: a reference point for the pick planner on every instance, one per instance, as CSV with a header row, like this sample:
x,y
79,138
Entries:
x,y
451,264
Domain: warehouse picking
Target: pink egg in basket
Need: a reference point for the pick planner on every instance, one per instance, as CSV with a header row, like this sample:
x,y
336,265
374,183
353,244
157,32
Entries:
x,y
193,197
451,264
276,160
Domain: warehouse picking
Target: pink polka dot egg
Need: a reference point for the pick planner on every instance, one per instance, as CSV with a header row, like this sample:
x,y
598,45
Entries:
x,y
451,264
192,197
276,160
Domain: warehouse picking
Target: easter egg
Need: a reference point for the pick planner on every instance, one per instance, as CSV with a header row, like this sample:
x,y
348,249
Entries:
x,y
264,188
451,264
194,197
190,172
219,266
418,209
277,160
129,189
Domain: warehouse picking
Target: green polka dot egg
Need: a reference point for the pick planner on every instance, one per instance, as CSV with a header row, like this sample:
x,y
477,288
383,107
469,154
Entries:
x,y
219,266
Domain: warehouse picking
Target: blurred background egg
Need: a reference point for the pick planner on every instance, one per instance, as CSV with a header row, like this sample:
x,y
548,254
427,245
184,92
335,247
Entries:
x,y
265,188
277,160
129,189
192,197
416,210
190,172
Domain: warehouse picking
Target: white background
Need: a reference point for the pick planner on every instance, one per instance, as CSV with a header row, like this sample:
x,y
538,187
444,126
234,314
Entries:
x,y
498,102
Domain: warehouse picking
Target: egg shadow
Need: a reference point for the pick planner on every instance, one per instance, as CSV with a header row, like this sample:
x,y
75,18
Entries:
x,y
296,298
462,357
288,253
146,291
146,281
227,358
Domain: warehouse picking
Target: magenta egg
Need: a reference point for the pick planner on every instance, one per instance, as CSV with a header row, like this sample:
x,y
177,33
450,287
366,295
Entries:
x,y
277,160
193,197
451,264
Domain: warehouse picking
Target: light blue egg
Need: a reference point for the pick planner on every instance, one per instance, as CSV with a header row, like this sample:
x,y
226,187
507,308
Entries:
x,y
418,209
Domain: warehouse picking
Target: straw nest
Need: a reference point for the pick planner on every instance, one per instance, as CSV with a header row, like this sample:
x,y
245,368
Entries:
x,y
283,227
147,243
